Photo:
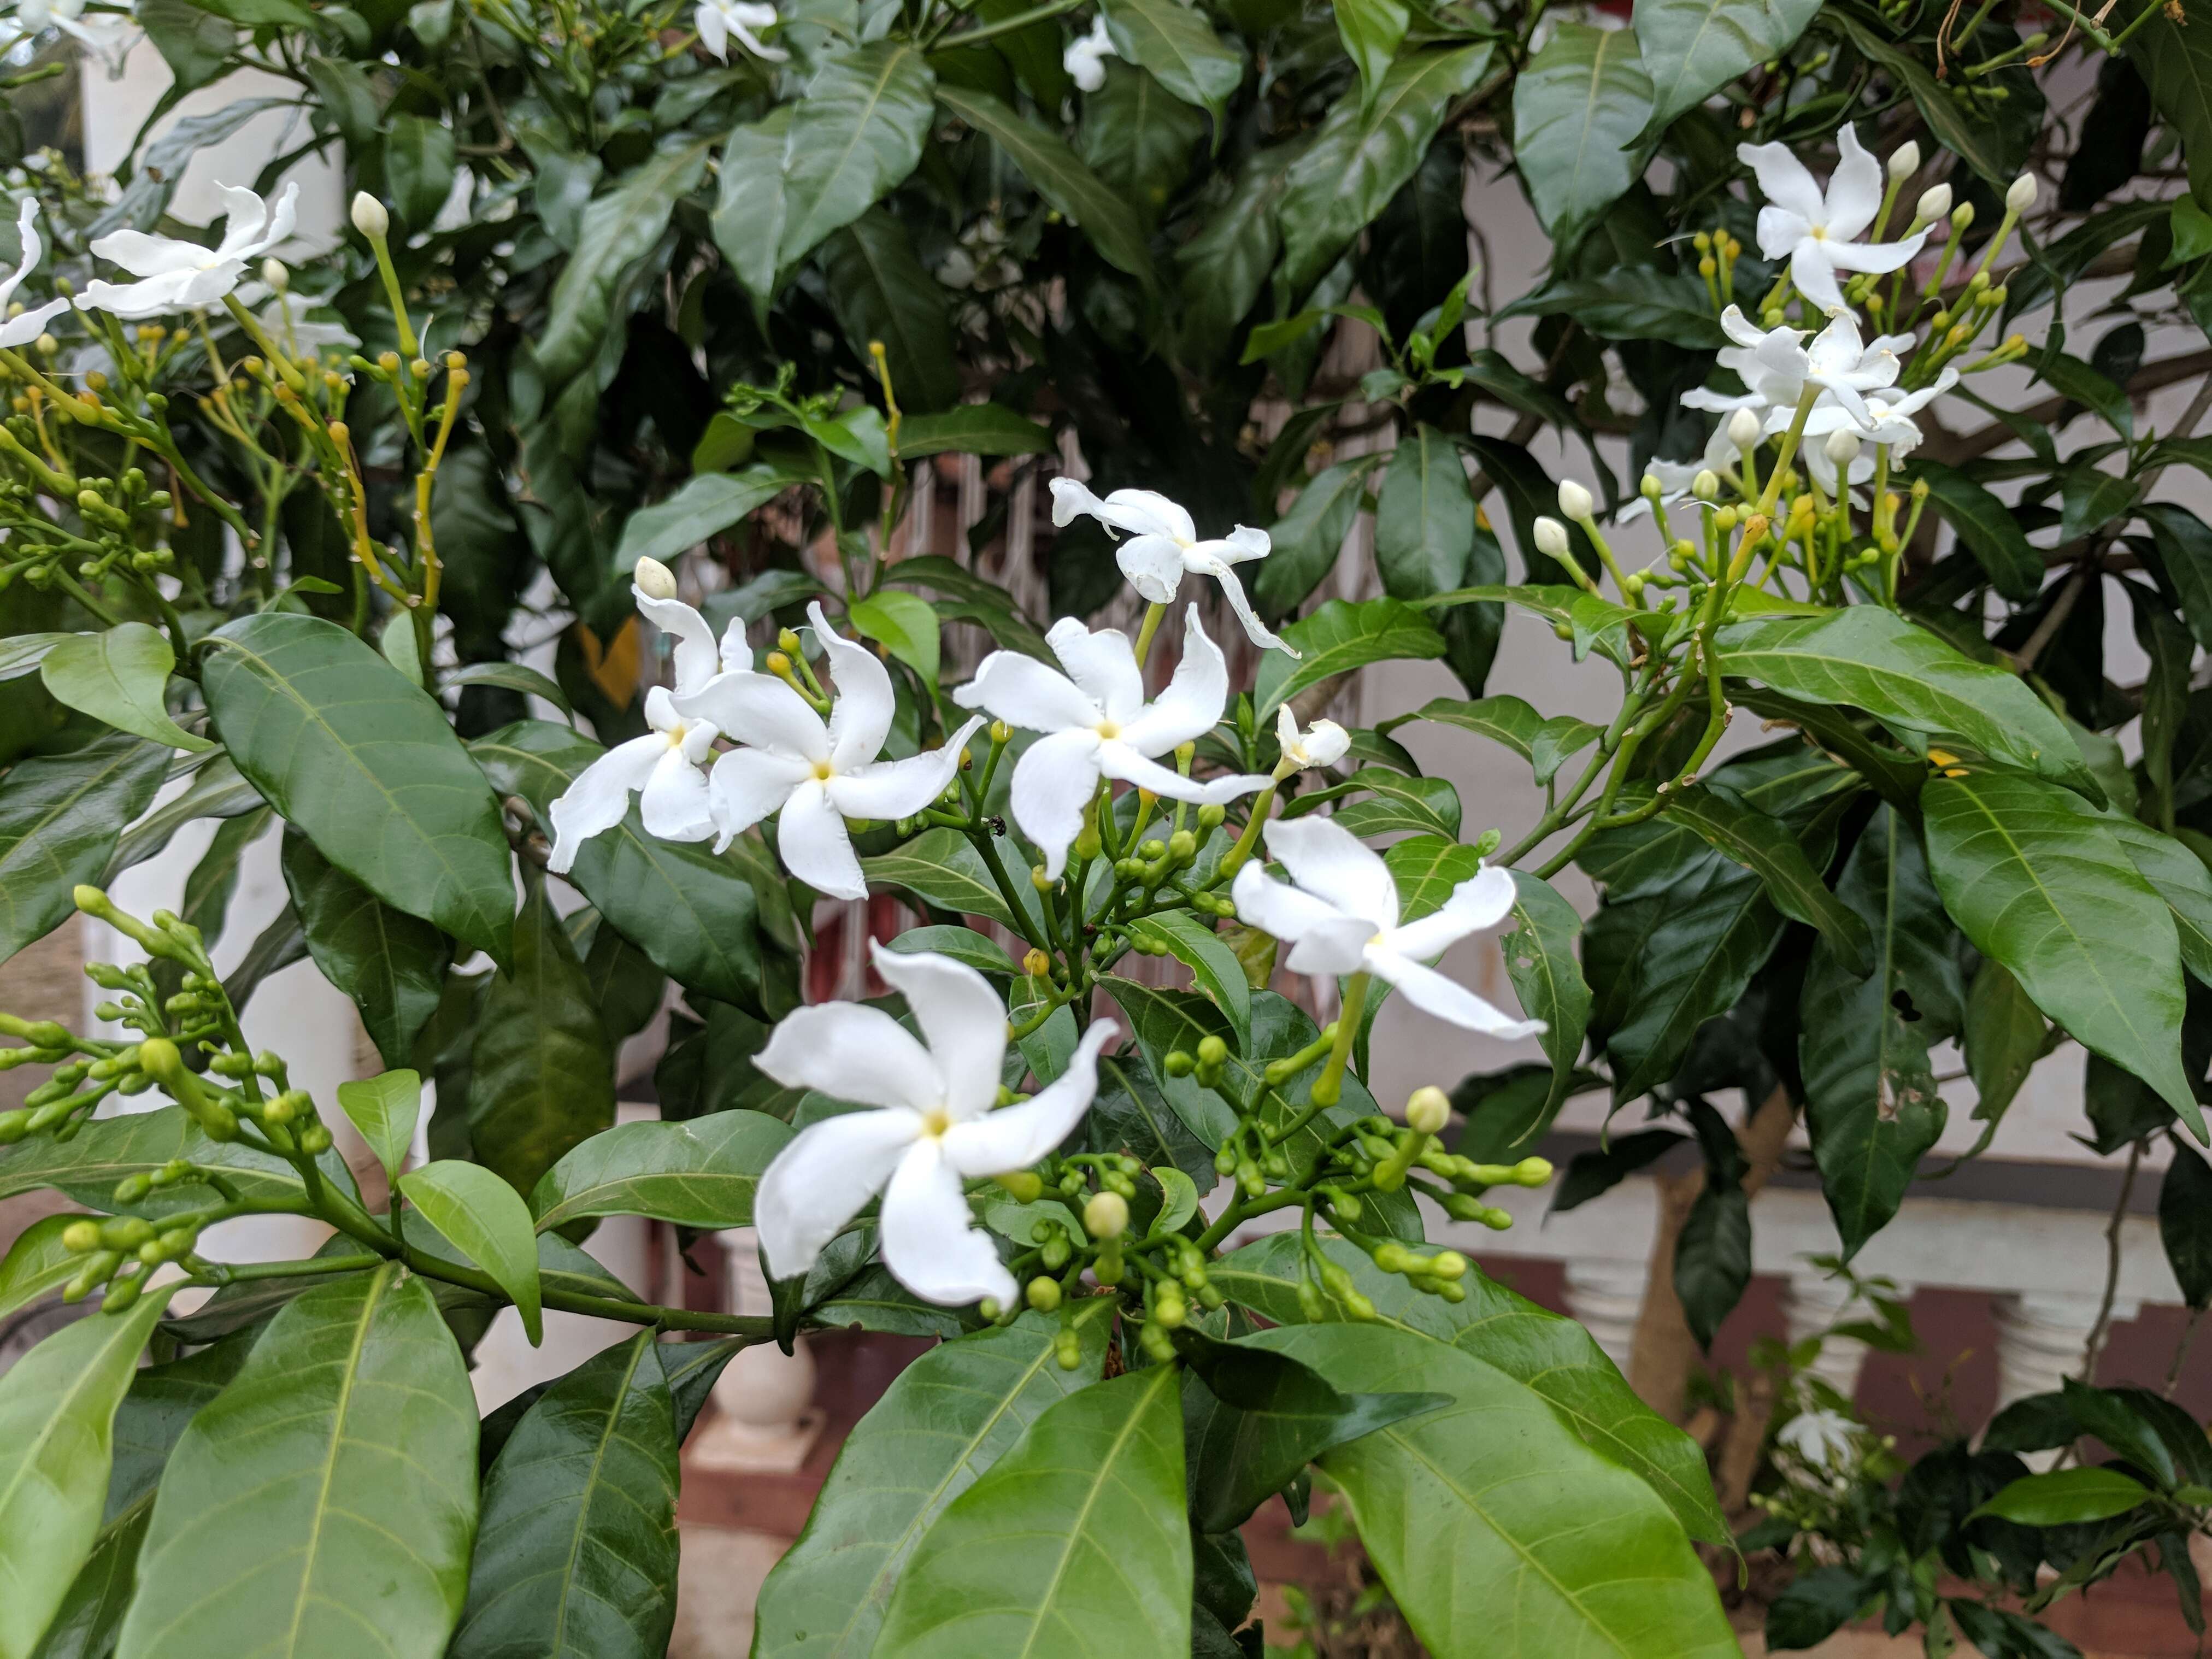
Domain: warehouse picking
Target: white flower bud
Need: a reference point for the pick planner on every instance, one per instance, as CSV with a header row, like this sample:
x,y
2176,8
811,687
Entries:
x,y
654,580
1934,203
274,274
1106,1216
1651,489
1706,486
1574,500
2022,196
1429,1110
1743,429
370,217
1904,161
1550,538
1843,446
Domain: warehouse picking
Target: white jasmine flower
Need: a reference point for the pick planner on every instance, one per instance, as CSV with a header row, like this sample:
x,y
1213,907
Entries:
x,y
1098,724
1889,424
1085,60
1818,233
27,327
717,21
103,35
1775,366
1822,1438
1322,744
1342,918
287,319
817,776
932,1128
1732,439
180,276
1163,547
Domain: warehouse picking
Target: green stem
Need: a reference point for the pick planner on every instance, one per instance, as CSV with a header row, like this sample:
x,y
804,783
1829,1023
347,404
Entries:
x,y
1151,626
1329,1087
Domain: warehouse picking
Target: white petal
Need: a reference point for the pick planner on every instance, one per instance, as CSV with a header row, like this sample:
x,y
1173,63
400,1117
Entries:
x,y
759,709
1025,692
1854,190
1247,543
1741,329
895,789
1433,994
736,651
600,798
1191,706
851,1053
1104,664
714,32
156,297
1809,268
1877,257
1339,948
1015,1136
1153,565
1148,513
1255,630
1301,918
1117,759
930,1241
145,255
1780,230
675,800
822,1178
22,329
749,784
1053,782
1071,498
695,658
1326,743
1481,900
244,217
1332,863
860,719
26,234
964,1022
816,847
1783,179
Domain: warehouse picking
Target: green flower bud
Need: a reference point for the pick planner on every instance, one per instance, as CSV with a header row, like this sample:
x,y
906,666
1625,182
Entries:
x,y
1211,816
81,1237
1106,1216
1212,1051
314,1140
1183,846
989,1307
1043,1293
1025,1186
1178,1063
1067,1349
126,1232
122,1293
132,1188
14,1126
97,1269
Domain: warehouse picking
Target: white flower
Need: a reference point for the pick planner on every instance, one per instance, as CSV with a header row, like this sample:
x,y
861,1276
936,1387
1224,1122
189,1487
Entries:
x,y
1818,233
718,20
1342,918
1163,547
1888,423
286,321
184,275
1323,743
103,35
23,329
1098,724
817,776
1731,441
1776,365
1822,1438
1085,60
933,1127
663,766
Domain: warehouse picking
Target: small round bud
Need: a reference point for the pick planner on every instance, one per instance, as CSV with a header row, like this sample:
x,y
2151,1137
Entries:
x,y
370,217
1649,487
81,1237
654,580
1743,430
1706,486
1935,203
1445,1264
1211,816
1551,538
315,1139
989,1307
1429,1110
274,274
1843,447
1574,500
1041,881
1000,732
1043,1293
1212,1051
2020,196
1962,216
1178,1062
1533,1171
1106,1216
1037,964
1904,161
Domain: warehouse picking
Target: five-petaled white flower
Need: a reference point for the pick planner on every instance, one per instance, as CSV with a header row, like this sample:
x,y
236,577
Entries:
x,y
817,774
664,767
1342,918
1098,724
718,20
1776,365
1822,1438
1322,744
27,327
181,276
1817,233
933,1127
1163,547
1889,424
1085,60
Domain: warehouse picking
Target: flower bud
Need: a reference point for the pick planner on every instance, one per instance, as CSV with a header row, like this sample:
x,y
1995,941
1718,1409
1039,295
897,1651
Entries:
x,y
2022,196
274,274
1574,500
1904,161
370,217
1212,1051
1106,1216
81,1237
1743,428
1934,203
1651,489
1843,446
1550,538
654,580
1706,486
1043,1293
1962,216
1429,1110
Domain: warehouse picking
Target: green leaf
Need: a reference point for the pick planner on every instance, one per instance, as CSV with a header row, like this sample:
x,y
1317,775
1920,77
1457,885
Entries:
x,y
1630,303
1871,1103
1078,1531
1057,175
487,1221
1180,1203
385,1109
695,913
542,1078
288,1481
2004,1037
1424,518
1504,719
2061,1497
945,1419
57,1427
1364,151
942,869
59,817
37,1263
1983,143
1692,48
1495,1528
1372,31
903,624
2184,547
1541,961
2179,878
972,429
119,676
22,653
1395,803
509,676
1911,680
963,944
216,791
1338,637
86,1166
368,767
2185,1227
750,207
1178,46
880,292
419,157
702,508
1307,538
702,1173
1211,962
1578,108
1765,847
214,879
2034,879
619,228
1986,529
576,1552
857,134
195,44
393,965
1130,1116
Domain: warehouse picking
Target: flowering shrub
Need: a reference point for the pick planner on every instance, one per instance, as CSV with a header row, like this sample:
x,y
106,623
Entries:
x,y
652,323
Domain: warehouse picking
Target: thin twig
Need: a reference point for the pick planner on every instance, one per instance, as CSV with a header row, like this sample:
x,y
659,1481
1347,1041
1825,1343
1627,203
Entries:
x,y
2093,1349
2181,1351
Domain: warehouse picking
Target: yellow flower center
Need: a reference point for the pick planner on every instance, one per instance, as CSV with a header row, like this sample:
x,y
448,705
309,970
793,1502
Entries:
x,y
935,1124
822,772
1108,729
676,734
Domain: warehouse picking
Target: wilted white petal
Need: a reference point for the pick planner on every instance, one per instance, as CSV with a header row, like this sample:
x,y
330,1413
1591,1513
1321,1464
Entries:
x,y
853,1053
1015,1136
1153,565
965,1023
929,1239
824,1178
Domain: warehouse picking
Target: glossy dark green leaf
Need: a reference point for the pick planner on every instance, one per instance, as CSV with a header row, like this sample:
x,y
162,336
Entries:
x,y
702,508
750,209
386,1110
1424,518
119,676
1986,529
487,1221
1594,1173
1176,45
162,1401
2184,1225
963,944
59,817
972,429
942,868
2004,1037
881,292
1372,31
1692,48
275,948
1577,110
542,1078
2030,876
1503,719
1307,538
1984,144
391,965
2180,877
214,791
944,1420
1057,175
701,1173
575,1556
1214,965
1076,1537
2185,546
1629,303
1764,846
1339,636
857,133
419,154
1712,1258
619,228
2061,1498
367,766
1130,1116
1541,959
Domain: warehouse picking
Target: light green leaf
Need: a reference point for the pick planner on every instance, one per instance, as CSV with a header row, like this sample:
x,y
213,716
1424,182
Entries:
x,y
37,1263
1692,48
858,134
2180,877
903,624
1577,110
119,676
1181,1198
487,1221
963,944
1338,637
2004,1037
2061,1497
22,653
700,1173
86,1166
1211,964
1503,719
1057,175
1177,44
385,1109
619,228
59,817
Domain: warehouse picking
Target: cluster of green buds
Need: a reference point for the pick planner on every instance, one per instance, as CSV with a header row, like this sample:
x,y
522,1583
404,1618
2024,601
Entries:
x,y
122,1252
